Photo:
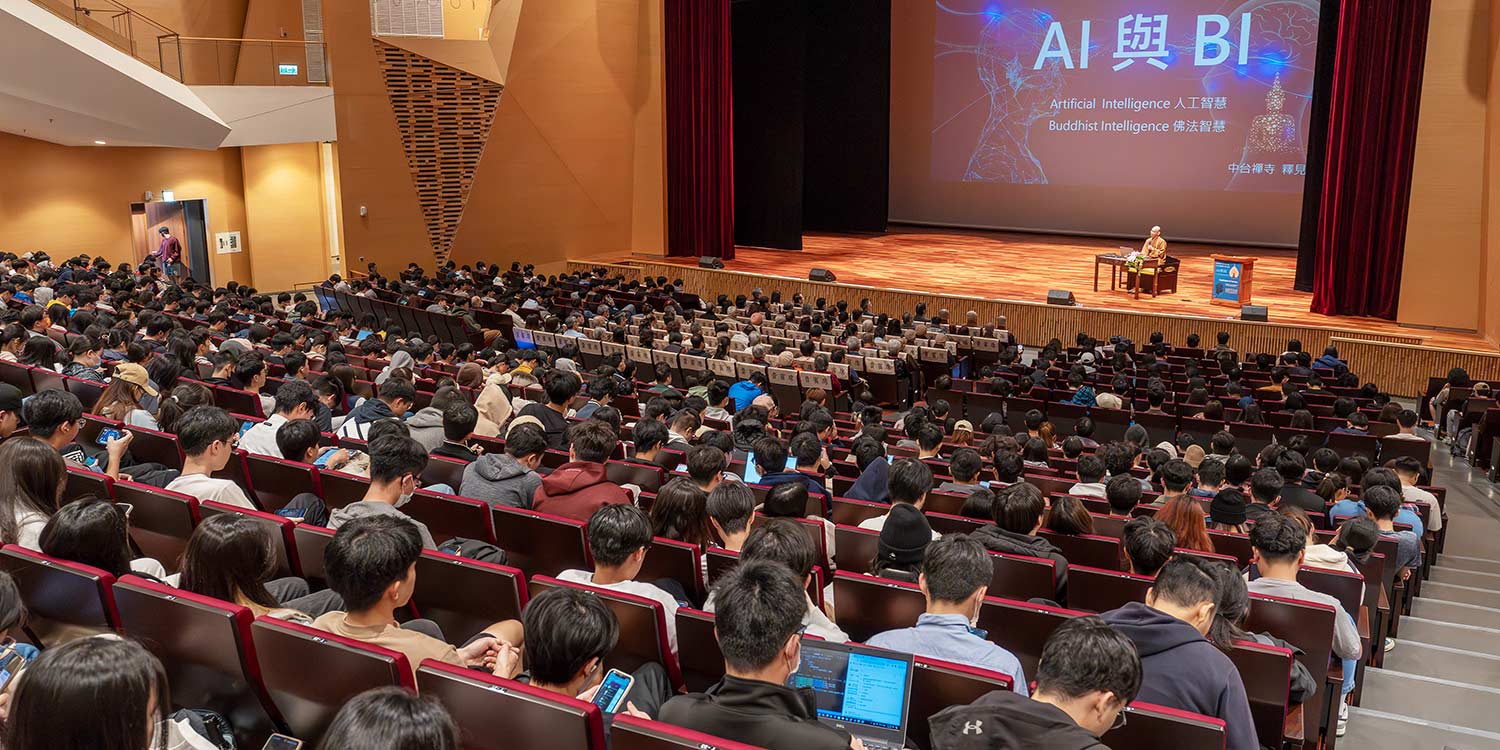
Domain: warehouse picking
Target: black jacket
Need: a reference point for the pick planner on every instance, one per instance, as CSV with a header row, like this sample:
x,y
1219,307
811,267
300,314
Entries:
x,y
996,539
757,713
1304,498
1004,720
1181,669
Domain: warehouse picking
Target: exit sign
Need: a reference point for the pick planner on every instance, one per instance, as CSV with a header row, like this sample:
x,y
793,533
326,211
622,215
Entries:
x,y
288,70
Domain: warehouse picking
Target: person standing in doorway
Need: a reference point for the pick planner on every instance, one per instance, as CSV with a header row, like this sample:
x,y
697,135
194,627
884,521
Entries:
x,y
168,255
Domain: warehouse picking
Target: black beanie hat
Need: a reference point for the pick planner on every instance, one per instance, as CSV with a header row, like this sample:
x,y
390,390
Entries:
x,y
905,535
1228,507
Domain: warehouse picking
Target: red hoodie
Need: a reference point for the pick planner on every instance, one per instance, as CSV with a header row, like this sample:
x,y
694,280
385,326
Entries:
x,y
577,489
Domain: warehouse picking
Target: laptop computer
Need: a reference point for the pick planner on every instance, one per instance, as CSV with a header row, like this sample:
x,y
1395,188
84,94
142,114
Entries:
x,y
863,691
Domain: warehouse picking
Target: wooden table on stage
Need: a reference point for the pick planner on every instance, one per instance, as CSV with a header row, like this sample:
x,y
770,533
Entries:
x,y
1116,263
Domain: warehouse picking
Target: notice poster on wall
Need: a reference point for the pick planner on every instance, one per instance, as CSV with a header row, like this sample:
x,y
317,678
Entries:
x,y
228,242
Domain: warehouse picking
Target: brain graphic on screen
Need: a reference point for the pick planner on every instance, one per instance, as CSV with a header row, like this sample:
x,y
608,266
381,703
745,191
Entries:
x,y
1018,97
1283,40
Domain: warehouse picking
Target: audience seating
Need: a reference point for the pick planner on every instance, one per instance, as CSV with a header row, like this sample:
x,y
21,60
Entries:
x,y
279,528
64,600
275,481
1267,674
1095,590
1309,627
1022,628
1151,727
868,605
679,561
698,654
629,733
206,647
936,685
307,696
496,714
308,543
540,543
450,516
161,521
465,596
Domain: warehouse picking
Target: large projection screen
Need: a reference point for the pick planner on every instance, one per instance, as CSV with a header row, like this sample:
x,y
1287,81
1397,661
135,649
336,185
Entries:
x,y
1103,117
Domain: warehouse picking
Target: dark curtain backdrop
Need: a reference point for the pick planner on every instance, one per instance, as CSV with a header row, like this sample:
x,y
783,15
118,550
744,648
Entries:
x,y
1317,144
769,49
847,123
700,129
1372,133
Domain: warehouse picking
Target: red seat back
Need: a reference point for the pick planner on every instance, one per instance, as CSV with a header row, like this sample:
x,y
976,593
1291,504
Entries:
x,y
82,482
309,674
648,478
1086,549
1267,674
698,652
278,528
206,648
1095,590
441,470
936,685
540,543
64,599
161,521
1022,628
151,446
868,605
679,561
1307,626
496,714
309,541
465,596
1150,727
275,481
630,733
448,516
340,489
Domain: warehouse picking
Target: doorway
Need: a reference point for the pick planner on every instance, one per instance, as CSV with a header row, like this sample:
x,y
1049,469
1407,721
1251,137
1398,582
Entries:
x,y
188,222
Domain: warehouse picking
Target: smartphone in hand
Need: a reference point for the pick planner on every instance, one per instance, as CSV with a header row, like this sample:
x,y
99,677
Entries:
x,y
610,697
282,742
107,434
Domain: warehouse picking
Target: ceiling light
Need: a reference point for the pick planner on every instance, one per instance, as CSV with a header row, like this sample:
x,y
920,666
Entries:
x,y
98,143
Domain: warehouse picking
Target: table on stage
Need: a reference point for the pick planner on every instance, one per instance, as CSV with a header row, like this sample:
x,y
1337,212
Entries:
x,y
1116,263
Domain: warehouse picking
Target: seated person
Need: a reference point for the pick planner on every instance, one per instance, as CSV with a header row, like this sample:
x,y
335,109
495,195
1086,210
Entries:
x,y
372,565
956,573
208,436
299,440
780,540
1123,494
706,464
760,634
294,400
965,466
561,387
1277,549
393,398
874,470
648,437
1090,482
910,481
1377,477
1018,512
1180,667
619,536
459,419
396,464
902,544
731,511
789,500
1148,544
1383,503
1409,471
580,487
770,459
231,557
1087,675
508,479
572,633
55,416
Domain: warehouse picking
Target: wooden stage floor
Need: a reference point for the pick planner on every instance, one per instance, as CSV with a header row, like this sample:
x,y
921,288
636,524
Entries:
x,y
1022,267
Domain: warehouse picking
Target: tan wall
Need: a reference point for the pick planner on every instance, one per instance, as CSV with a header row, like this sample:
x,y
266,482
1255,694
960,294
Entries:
x,y
1489,260
284,209
70,200
1447,200
574,164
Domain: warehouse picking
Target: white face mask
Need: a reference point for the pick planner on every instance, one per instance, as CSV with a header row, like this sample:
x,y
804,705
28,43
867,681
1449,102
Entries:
x,y
404,499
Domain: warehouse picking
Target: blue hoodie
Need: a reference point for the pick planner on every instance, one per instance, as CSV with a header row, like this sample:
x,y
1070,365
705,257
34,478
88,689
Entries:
x,y
1181,669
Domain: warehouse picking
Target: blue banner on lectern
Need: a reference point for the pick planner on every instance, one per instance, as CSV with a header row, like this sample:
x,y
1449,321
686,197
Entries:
x,y
1227,280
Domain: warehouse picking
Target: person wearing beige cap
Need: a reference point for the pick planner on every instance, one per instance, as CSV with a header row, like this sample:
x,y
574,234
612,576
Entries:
x,y
963,432
121,400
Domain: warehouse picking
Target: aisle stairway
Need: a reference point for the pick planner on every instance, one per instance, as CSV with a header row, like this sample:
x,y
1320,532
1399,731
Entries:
x,y
1440,687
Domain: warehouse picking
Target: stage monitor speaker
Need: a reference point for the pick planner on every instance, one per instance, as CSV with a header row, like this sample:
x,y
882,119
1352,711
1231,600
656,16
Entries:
x,y
1254,313
706,261
821,274
1060,297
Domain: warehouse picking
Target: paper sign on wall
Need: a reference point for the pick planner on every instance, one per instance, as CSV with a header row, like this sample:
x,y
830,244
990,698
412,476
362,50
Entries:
x,y
228,242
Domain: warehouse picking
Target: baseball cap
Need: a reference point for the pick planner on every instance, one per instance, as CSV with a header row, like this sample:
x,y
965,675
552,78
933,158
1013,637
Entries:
x,y
133,373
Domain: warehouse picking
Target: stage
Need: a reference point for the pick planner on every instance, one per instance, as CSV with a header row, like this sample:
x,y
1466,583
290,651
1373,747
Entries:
x,y
1010,273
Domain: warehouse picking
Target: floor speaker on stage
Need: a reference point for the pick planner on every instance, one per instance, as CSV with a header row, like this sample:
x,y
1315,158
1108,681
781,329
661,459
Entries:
x,y
821,274
705,261
1255,313
1060,297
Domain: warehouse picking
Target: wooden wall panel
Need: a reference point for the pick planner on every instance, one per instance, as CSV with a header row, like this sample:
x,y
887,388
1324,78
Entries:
x,y
444,117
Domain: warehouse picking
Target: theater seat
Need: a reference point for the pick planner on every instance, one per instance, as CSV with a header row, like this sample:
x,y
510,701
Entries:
x,y
1308,626
1267,674
1095,590
679,561
309,542
280,529
206,647
449,516
540,543
1151,727
440,470
82,482
1022,628
161,521
340,489
629,733
698,652
936,685
464,596
310,673
648,478
275,481
496,714
152,446
643,628
868,605
65,600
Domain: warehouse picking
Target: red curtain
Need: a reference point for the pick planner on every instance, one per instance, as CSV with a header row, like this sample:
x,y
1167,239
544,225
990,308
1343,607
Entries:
x,y
700,129
1372,132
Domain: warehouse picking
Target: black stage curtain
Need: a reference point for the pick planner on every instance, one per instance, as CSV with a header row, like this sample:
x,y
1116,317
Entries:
x,y
847,90
769,43
811,118
1317,144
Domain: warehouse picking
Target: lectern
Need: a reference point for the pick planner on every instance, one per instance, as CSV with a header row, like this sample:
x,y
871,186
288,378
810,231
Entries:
x,y
1232,280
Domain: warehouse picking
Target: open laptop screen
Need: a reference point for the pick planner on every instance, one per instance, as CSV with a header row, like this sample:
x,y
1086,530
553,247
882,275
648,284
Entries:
x,y
861,690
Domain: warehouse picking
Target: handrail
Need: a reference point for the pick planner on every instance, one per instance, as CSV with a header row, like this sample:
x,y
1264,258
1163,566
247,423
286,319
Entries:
x,y
247,41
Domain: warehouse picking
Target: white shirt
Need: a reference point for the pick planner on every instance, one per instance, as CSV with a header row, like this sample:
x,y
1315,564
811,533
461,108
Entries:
x,y
1403,436
1081,489
1413,494
638,588
29,525
261,439
877,523
206,488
